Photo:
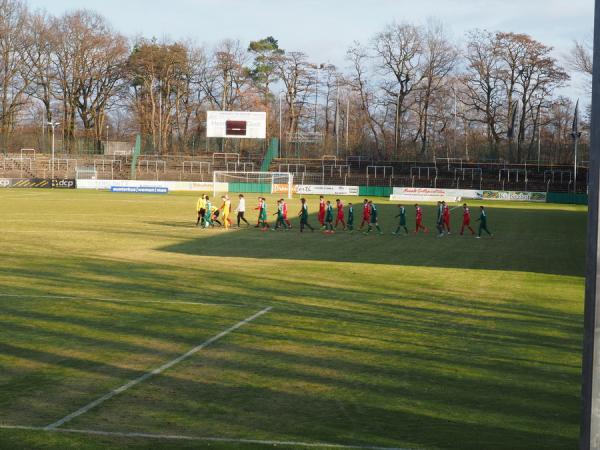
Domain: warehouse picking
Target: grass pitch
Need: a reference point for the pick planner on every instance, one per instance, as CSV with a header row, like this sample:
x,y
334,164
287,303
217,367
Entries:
x,y
373,341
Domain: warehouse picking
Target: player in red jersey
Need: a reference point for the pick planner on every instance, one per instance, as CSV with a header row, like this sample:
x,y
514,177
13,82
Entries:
x,y
284,208
420,225
340,214
259,209
466,221
446,217
366,220
322,207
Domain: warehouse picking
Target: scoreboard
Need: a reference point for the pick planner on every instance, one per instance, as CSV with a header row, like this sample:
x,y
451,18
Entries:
x,y
236,124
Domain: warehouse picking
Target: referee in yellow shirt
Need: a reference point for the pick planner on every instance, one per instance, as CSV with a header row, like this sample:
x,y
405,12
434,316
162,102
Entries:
x,y
201,210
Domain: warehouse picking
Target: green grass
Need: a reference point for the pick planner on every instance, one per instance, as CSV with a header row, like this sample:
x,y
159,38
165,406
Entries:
x,y
413,342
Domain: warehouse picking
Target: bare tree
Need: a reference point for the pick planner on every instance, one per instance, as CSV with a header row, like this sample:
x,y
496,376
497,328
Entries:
x,y
358,57
39,57
533,75
483,96
14,72
399,53
157,70
440,58
294,71
581,59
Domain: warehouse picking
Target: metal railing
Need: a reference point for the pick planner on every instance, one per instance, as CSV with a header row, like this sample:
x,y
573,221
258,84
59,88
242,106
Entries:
x,y
200,165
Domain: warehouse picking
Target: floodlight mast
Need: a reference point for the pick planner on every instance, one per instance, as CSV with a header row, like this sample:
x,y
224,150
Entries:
x,y
53,125
590,388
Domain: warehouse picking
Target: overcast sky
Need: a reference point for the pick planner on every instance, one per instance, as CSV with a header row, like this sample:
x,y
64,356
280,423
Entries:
x,y
324,29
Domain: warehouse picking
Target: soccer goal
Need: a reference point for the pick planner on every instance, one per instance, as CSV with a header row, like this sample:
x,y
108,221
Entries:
x,y
272,182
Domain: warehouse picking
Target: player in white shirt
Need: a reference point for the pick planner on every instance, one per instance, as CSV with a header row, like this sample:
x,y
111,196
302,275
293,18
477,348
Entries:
x,y
241,210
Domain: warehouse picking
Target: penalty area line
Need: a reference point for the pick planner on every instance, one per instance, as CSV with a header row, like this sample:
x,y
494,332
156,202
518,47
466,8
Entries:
x,y
154,372
177,437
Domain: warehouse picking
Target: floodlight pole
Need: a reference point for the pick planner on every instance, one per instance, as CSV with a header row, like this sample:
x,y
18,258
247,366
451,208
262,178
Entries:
x,y
347,125
337,120
576,151
317,67
590,389
53,125
316,96
280,123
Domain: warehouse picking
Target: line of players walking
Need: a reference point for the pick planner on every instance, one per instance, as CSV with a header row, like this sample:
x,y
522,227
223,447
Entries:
x,y
209,215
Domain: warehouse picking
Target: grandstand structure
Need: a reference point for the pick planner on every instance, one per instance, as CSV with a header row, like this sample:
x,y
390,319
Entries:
x,y
119,167
444,173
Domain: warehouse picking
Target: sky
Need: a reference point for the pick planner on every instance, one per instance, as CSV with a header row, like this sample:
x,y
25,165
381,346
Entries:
x,y
325,29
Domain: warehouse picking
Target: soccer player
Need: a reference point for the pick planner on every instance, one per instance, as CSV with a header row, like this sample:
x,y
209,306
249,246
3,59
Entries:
x,y
322,208
419,215
483,223
466,221
259,209
340,214
328,218
350,224
284,208
304,216
366,214
226,209
201,209
280,220
439,219
241,210
208,214
402,223
446,217
215,215
373,216
262,215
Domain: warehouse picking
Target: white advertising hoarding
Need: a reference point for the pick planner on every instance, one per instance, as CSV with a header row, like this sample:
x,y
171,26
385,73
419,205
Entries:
x,y
515,196
170,185
236,124
310,189
434,195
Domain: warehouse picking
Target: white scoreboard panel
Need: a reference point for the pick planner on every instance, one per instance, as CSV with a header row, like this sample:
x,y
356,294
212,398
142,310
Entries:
x,y
236,124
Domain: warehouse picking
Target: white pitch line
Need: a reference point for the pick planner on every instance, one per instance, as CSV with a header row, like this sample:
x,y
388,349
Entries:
x,y
120,300
177,437
156,371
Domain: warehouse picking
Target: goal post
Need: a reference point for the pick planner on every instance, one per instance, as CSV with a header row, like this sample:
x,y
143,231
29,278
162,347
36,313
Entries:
x,y
260,182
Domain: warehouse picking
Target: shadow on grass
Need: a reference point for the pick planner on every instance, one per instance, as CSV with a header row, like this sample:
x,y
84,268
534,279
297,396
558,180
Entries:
x,y
361,365
544,241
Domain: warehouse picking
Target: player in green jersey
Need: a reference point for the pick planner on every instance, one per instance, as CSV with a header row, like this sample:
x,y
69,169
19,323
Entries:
x,y
262,215
402,223
304,216
374,218
329,218
350,224
483,223
280,217
439,219
208,222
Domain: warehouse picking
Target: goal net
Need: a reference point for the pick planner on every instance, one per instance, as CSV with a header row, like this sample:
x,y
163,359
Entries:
x,y
86,173
259,182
